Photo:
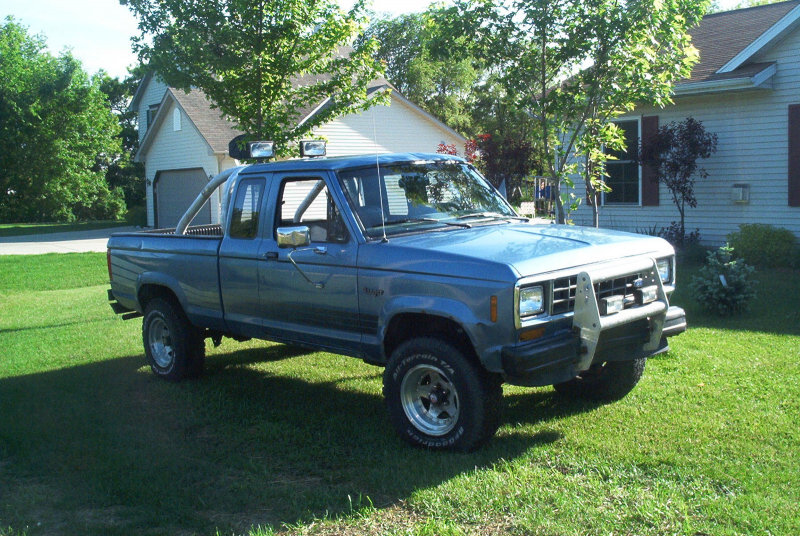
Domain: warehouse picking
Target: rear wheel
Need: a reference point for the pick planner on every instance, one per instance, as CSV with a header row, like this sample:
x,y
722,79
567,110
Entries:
x,y
604,382
438,399
174,348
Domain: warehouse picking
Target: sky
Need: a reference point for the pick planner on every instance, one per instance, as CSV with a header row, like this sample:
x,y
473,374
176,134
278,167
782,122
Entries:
x,y
99,31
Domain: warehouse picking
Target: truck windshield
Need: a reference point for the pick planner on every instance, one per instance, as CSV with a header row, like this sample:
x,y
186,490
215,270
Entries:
x,y
418,197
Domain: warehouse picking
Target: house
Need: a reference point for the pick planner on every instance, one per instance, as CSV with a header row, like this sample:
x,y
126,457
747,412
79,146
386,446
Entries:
x,y
184,142
746,89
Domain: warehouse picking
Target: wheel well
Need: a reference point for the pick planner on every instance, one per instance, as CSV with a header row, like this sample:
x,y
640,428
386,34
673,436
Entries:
x,y
148,292
406,326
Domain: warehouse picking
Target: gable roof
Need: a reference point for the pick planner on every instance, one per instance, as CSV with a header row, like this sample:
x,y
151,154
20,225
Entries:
x,y
216,129
729,41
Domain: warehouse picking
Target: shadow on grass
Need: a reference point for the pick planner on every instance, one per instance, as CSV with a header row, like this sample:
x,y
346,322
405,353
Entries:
x,y
106,448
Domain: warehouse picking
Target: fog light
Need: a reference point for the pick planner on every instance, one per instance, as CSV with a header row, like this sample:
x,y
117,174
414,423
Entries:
x,y
611,305
646,295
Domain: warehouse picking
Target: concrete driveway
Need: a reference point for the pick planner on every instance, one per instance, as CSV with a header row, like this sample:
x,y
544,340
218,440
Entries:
x,y
72,242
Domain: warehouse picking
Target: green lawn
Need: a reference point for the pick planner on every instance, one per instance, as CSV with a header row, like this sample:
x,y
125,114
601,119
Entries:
x,y
23,229
291,441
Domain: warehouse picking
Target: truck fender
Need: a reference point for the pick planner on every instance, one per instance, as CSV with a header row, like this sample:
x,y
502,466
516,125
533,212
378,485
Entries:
x,y
161,280
448,308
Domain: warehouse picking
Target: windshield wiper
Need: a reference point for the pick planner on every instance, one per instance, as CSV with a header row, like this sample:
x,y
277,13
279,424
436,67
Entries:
x,y
423,220
491,215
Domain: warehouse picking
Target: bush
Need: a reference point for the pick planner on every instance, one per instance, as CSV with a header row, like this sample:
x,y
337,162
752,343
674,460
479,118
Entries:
x,y
137,215
764,245
724,286
677,237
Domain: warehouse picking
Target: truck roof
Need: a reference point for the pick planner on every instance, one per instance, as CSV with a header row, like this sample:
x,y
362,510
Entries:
x,y
343,162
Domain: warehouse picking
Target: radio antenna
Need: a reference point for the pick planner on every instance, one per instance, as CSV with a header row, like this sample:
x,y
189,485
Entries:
x,y
380,181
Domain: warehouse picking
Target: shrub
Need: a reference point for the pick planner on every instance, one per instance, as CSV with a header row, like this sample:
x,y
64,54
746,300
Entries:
x,y
137,215
724,286
678,237
764,245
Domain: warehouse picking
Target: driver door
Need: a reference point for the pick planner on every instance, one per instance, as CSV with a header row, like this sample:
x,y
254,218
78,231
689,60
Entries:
x,y
294,309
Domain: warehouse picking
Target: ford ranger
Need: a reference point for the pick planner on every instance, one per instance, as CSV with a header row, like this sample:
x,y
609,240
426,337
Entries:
x,y
412,262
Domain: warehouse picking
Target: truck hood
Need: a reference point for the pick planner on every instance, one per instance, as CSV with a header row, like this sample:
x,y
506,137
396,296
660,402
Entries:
x,y
507,252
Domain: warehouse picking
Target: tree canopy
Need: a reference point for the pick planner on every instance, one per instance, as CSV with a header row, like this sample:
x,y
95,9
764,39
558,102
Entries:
x,y
261,62
428,66
55,133
574,65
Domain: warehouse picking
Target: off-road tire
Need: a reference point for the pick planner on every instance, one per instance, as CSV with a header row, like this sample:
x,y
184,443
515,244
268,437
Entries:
x,y
174,348
439,399
604,382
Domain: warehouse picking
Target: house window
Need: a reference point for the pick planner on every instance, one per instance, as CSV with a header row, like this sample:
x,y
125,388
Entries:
x,y
151,115
176,119
623,172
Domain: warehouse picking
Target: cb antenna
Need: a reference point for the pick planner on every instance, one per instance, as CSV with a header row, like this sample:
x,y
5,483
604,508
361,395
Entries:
x,y
380,181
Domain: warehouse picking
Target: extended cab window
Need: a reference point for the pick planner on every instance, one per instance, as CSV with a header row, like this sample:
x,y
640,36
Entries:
x,y
308,202
246,208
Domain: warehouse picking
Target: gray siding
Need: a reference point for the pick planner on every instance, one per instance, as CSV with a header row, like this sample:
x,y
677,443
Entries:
x,y
153,94
752,127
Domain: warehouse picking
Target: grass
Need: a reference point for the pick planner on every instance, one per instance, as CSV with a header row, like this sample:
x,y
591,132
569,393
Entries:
x,y
24,229
278,440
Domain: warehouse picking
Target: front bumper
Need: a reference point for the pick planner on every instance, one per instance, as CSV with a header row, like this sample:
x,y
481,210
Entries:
x,y
560,357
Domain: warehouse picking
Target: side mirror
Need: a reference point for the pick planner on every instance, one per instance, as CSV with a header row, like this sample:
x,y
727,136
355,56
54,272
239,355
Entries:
x,y
293,237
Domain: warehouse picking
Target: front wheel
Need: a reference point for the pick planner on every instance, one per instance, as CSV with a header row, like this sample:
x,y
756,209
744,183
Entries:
x,y
174,348
438,399
604,382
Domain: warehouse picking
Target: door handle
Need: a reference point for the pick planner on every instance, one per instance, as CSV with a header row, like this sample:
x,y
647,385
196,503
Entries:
x,y
271,255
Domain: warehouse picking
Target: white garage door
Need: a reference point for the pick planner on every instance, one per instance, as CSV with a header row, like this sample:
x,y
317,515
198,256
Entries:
x,y
175,191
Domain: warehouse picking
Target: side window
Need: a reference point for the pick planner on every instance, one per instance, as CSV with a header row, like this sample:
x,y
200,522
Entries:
x,y
246,208
308,202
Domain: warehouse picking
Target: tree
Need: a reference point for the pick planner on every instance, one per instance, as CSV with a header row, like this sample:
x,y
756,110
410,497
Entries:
x,y
261,62
574,65
673,152
424,65
54,129
122,172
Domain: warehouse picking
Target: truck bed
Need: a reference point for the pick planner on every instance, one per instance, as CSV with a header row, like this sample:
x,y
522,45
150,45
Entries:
x,y
187,264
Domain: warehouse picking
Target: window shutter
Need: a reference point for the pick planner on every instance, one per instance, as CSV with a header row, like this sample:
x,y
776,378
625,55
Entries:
x,y
794,155
649,183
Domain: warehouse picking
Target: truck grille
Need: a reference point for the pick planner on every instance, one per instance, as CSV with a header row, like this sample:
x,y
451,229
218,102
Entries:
x,y
564,294
564,291
620,286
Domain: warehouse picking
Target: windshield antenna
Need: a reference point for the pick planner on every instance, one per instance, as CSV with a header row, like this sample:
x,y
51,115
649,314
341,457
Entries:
x,y
378,167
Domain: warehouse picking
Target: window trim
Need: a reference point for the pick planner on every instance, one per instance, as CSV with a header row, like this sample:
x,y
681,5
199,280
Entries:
x,y
638,203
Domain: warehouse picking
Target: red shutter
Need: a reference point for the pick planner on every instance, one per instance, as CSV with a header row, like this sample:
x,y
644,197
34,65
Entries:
x,y
649,182
794,155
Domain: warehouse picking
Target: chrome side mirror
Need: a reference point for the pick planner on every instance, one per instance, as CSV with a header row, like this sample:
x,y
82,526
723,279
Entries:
x,y
293,237
298,237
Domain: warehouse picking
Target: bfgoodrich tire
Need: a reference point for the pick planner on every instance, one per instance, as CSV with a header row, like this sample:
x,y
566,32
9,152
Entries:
x,y
438,399
174,348
604,382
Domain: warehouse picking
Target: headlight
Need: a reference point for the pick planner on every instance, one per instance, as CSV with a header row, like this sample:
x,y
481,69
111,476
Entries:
x,y
531,301
664,267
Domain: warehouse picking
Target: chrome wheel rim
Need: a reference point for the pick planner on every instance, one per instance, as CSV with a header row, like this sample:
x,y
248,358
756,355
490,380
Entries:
x,y
160,341
430,400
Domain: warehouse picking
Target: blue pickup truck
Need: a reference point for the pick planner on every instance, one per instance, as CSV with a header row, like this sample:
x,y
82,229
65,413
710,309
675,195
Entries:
x,y
412,262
